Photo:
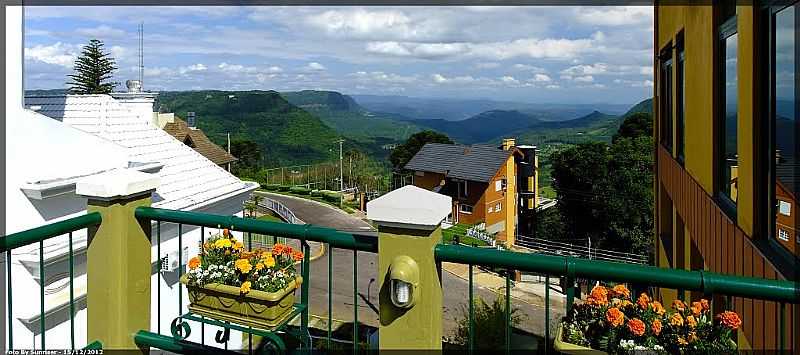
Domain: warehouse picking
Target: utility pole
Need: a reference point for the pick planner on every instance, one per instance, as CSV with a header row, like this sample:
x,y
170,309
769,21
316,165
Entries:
x,y
341,174
229,149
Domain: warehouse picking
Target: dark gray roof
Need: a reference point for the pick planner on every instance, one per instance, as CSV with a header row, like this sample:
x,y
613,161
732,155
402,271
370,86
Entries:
x,y
474,163
787,174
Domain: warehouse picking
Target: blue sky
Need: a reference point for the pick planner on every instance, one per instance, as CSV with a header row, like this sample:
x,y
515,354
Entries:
x,y
533,54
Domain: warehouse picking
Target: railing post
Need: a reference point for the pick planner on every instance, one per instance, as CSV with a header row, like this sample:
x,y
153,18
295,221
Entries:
x,y
118,257
409,227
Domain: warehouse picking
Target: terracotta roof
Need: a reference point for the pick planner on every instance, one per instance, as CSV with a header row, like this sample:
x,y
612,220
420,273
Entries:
x,y
196,139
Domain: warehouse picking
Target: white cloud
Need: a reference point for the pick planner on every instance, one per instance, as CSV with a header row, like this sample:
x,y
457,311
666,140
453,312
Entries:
x,y
526,67
598,68
380,76
235,68
584,79
314,66
648,70
193,68
364,24
57,53
487,65
441,79
509,80
615,16
101,32
275,69
417,50
541,78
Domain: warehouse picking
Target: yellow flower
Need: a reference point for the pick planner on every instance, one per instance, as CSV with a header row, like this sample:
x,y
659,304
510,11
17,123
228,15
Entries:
x,y
223,243
676,320
245,287
259,266
238,245
269,261
691,321
243,265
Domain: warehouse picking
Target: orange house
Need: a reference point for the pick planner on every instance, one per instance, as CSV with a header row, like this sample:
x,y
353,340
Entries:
x,y
483,180
785,227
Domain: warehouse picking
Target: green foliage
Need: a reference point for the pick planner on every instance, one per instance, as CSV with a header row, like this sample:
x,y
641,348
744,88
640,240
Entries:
x,y
639,124
605,191
271,187
489,324
300,190
330,196
285,134
284,188
404,152
92,70
248,153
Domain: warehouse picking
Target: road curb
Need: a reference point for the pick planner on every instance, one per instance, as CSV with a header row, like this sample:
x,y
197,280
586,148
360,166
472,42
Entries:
x,y
500,291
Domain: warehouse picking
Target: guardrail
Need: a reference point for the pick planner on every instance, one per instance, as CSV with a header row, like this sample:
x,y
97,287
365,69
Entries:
x,y
38,235
281,209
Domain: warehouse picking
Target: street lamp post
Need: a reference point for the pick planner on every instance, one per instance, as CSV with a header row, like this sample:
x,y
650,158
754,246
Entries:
x,y
341,175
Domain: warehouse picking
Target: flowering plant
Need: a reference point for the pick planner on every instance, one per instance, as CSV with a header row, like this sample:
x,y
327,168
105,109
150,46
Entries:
x,y
223,260
611,321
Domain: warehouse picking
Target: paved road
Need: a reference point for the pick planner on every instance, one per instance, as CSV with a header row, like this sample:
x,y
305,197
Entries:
x,y
456,289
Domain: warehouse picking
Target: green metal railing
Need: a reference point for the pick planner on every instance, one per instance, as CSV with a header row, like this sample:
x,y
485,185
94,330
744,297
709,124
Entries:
x,y
708,283
39,235
304,233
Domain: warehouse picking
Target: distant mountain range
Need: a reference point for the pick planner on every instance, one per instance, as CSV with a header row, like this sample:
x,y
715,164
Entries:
x,y
414,108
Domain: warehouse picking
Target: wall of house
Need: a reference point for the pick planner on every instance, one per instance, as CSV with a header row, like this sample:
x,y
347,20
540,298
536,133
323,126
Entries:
x,y
476,197
427,180
693,232
784,222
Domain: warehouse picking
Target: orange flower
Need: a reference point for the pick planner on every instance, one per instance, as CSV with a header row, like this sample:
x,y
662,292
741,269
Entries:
x,y
696,308
243,265
297,256
615,317
194,263
679,305
682,341
626,303
621,290
238,245
704,303
643,301
676,320
598,296
656,327
730,319
658,308
287,250
277,249
636,326
692,337
691,322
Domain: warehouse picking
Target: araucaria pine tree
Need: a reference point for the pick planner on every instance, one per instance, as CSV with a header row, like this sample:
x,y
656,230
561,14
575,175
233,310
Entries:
x,y
92,71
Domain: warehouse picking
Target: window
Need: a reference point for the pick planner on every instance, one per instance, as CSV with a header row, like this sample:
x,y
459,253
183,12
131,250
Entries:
x,y
665,100
498,185
498,207
465,208
462,188
680,136
784,111
727,114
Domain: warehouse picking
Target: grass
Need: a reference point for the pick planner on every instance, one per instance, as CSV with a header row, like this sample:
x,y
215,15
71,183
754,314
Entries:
x,y
270,218
460,229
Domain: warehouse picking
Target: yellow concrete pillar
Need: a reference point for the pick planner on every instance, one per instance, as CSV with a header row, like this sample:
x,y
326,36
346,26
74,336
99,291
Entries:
x,y
409,227
118,257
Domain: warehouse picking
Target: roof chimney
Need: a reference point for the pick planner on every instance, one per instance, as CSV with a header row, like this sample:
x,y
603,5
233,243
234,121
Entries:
x,y
190,119
508,143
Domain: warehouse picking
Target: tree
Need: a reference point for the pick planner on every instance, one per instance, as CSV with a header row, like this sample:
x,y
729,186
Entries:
x,y
639,124
249,154
92,70
404,152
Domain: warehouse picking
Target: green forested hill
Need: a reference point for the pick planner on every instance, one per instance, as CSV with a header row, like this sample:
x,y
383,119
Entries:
x,y
343,114
285,133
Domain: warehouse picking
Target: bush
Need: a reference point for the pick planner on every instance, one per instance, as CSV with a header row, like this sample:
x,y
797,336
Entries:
x,y
332,197
271,187
284,188
300,190
316,193
490,324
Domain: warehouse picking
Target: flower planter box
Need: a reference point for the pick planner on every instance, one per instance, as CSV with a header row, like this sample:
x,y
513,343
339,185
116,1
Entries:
x,y
256,308
572,349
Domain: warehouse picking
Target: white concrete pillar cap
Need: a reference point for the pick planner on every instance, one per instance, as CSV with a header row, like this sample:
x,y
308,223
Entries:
x,y
410,207
117,183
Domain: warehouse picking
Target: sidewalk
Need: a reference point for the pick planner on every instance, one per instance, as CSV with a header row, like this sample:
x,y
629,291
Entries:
x,y
529,292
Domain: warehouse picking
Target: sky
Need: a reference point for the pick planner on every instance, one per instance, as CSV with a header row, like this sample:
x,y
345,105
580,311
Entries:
x,y
558,54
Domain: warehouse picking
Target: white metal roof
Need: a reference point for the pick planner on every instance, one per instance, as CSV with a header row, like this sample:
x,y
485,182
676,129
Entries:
x,y
188,179
410,207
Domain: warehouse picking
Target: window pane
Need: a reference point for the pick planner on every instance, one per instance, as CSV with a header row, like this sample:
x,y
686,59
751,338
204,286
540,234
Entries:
x,y
666,104
785,119
729,168
679,128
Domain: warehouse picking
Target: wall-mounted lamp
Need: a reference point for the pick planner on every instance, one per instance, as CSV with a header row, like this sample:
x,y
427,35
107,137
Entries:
x,y
404,276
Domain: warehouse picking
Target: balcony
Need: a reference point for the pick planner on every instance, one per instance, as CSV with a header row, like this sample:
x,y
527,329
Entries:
x,y
124,233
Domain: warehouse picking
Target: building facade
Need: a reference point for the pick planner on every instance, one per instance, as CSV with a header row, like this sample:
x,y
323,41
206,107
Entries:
x,y
726,89
485,182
